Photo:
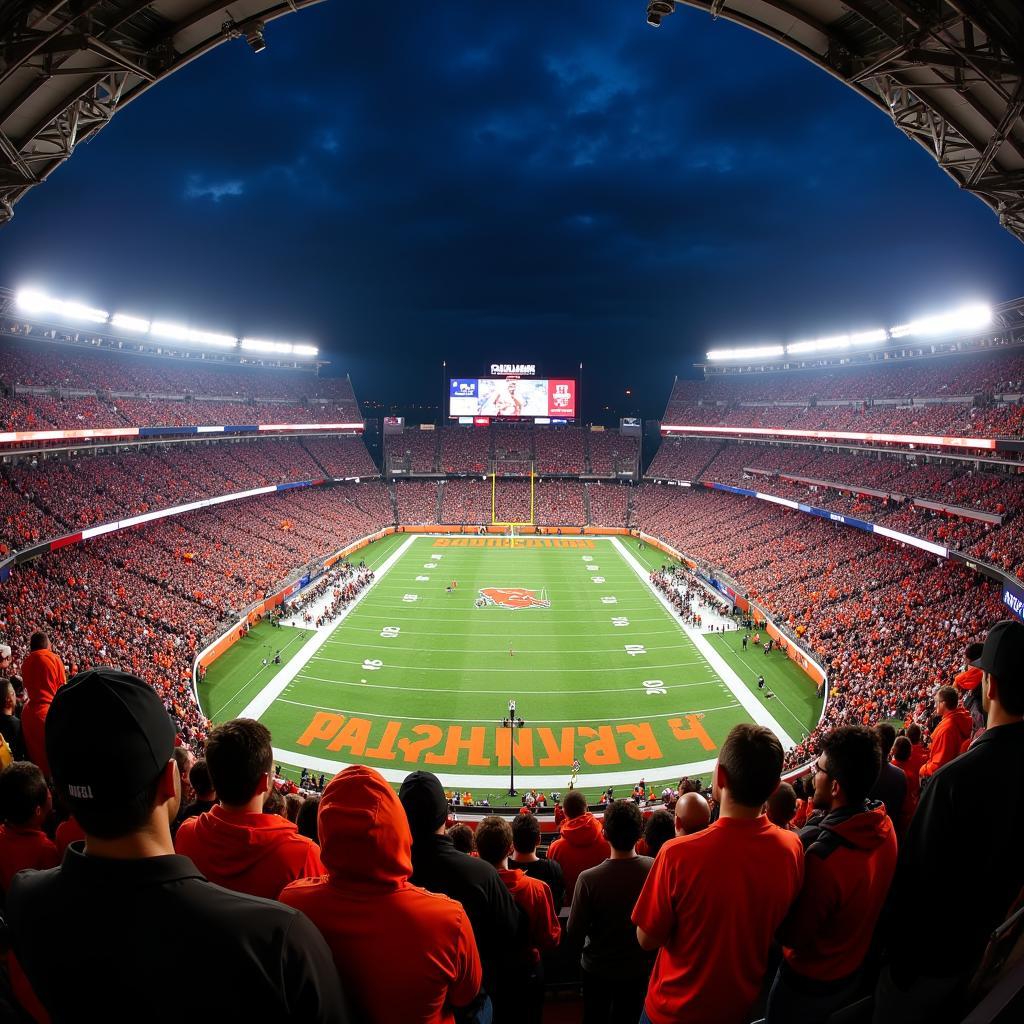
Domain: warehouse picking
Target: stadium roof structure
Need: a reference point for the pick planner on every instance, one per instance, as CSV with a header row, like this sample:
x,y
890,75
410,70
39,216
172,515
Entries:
x,y
67,66
950,74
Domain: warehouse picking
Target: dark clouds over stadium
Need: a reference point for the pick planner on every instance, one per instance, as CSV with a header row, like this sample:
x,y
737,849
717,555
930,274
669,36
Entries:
x,y
523,181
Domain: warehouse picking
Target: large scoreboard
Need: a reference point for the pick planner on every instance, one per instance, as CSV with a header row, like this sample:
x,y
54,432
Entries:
x,y
512,392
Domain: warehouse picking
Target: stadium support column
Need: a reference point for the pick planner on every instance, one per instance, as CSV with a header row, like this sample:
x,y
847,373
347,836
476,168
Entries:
x,y
512,722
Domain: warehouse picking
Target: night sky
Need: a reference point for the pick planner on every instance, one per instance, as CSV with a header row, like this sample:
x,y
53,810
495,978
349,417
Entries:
x,y
529,181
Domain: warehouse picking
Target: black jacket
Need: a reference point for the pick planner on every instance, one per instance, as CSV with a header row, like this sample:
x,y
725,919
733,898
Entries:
x,y
498,923
102,939
961,864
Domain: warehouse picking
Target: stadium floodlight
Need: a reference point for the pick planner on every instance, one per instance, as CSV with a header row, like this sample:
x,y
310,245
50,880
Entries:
x,y
305,350
179,332
258,345
750,352
966,318
838,342
33,301
129,323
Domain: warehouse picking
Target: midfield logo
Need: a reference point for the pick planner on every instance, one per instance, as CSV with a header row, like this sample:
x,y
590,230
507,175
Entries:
x,y
513,597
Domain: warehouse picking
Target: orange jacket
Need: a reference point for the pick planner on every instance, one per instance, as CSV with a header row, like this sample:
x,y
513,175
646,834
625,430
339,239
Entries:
x,y
534,898
258,854
582,845
44,675
948,740
969,679
404,955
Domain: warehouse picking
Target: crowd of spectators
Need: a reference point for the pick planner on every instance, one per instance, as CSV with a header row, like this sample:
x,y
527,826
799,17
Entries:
x,y
559,450
993,372
888,622
466,502
839,481
417,502
43,500
70,362
343,581
612,452
414,451
608,503
752,898
464,450
558,503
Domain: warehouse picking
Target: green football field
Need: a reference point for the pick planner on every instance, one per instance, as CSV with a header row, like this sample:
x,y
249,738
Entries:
x,y
416,677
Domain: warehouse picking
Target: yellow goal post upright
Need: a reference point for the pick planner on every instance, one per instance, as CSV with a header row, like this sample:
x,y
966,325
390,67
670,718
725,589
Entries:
x,y
509,526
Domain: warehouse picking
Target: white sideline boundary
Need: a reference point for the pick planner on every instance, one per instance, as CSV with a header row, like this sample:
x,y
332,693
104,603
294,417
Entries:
x,y
258,706
757,711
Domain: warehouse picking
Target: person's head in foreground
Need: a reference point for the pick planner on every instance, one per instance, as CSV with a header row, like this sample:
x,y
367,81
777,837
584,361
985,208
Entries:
x,y
748,770
623,826
692,814
781,805
1002,666
847,767
128,788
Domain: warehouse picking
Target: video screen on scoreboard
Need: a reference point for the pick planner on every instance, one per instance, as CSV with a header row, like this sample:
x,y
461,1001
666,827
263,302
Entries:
x,y
512,398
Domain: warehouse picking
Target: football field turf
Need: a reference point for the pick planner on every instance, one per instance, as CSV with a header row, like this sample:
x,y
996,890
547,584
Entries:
x,y
416,677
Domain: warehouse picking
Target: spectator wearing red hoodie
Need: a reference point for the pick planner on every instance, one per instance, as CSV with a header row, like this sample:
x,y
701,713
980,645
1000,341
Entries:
x,y
581,844
43,675
235,844
951,735
968,682
24,805
405,955
532,896
714,900
903,758
850,859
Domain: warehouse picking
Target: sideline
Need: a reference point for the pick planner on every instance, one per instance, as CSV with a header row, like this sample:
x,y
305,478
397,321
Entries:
x,y
258,706
757,711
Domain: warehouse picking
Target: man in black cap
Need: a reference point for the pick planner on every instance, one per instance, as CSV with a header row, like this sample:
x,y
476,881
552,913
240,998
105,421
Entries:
x,y
122,901
497,922
969,823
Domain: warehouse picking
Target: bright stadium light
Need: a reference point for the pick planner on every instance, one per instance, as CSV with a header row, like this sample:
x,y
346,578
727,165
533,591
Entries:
x,y
129,323
179,332
751,352
966,318
305,350
33,301
838,342
258,345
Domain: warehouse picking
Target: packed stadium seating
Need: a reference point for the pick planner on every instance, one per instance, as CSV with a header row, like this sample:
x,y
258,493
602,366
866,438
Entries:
x,y
465,450
466,501
559,503
415,450
609,504
417,502
612,453
559,450
992,372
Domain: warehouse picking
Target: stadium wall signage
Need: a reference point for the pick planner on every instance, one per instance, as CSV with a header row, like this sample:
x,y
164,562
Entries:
x,y
97,433
513,369
1013,599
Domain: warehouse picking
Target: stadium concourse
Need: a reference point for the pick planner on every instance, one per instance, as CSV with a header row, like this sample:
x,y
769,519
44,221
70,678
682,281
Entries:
x,y
872,568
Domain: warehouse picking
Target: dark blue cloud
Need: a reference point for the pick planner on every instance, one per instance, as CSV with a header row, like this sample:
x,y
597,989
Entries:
x,y
521,181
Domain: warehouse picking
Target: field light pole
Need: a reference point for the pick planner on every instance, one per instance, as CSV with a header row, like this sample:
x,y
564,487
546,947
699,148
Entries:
x,y
512,722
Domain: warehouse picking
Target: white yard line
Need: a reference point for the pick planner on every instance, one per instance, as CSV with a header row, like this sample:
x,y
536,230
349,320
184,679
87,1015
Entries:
x,y
216,714
258,705
757,711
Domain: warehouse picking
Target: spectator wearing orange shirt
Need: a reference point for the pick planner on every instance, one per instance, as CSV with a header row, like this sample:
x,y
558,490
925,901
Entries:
x,y
951,735
706,907
43,674
581,844
235,844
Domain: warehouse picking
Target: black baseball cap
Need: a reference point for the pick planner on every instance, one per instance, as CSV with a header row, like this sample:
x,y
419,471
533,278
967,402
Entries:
x,y
424,802
1003,654
108,736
